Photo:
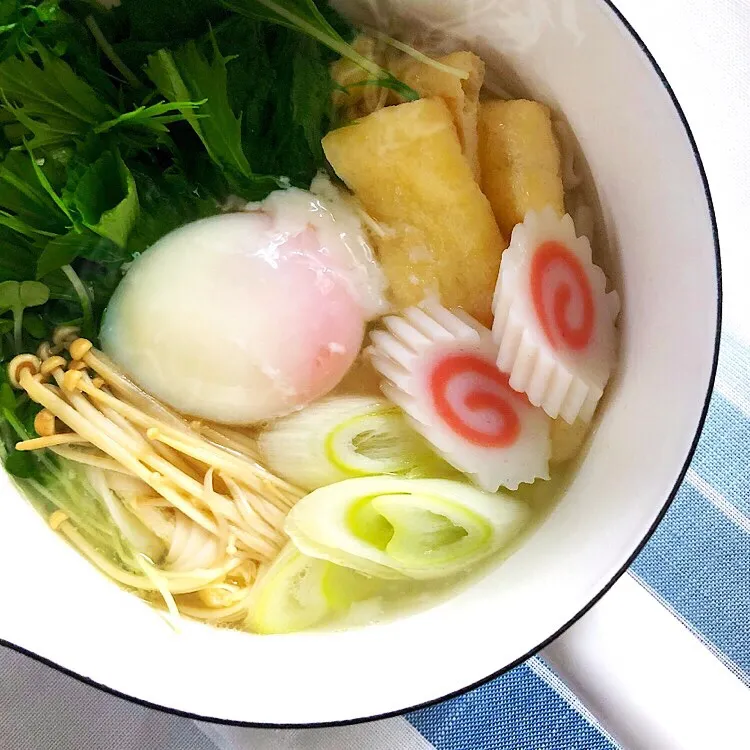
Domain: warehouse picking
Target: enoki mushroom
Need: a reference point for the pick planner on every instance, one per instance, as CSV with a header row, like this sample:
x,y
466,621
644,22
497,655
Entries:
x,y
196,511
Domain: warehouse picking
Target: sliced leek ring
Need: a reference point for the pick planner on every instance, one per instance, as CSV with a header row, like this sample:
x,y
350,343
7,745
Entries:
x,y
391,527
298,592
371,443
344,437
288,596
431,527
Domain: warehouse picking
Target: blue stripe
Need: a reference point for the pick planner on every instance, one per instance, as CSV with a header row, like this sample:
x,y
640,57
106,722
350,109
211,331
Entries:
x,y
723,455
518,710
699,562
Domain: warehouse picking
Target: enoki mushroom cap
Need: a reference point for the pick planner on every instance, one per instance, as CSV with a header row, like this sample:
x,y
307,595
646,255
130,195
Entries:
x,y
28,362
44,352
63,335
44,423
52,364
80,348
72,379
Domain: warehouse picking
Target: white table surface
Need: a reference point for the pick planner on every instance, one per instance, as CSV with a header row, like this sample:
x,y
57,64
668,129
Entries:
x,y
703,47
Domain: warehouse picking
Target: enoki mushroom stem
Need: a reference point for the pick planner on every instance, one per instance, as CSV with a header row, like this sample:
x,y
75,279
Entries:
x,y
217,508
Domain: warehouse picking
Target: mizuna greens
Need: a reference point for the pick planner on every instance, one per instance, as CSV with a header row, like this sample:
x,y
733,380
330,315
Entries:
x,y
117,126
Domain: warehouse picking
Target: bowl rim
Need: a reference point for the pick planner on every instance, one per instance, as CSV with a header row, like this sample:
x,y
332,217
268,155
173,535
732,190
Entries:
x,y
595,599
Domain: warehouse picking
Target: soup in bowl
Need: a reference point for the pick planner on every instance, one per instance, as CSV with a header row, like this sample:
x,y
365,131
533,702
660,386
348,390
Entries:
x,y
369,382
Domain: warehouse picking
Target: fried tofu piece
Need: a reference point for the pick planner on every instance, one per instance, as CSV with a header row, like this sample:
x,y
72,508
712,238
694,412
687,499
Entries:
x,y
460,94
406,166
520,160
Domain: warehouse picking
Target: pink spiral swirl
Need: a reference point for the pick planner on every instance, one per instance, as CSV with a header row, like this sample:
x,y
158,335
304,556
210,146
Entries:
x,y
498,399
554,259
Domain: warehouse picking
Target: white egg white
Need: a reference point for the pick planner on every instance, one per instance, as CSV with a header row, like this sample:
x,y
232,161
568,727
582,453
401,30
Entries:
x,y
247,316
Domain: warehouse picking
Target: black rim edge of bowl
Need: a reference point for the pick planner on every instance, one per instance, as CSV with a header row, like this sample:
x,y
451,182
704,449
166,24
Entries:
x,y
678,482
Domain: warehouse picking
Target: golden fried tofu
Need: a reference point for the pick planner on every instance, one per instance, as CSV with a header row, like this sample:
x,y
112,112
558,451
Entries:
x,y
520,160
406,166
461,95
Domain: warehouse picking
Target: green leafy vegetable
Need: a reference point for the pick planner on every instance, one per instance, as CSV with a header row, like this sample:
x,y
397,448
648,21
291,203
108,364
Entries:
x,y
174,21
16,423
32,293
22,23
63,250
167,201
283,142
58,253
16,297
310,94
188,74
100,198
111,54
33,325
49,99
17,256
305,17
7,394
44,181
156,117
106,198
21,465
24,200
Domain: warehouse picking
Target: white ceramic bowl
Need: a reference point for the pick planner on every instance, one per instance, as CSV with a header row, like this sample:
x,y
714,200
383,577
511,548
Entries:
x,y
580,56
